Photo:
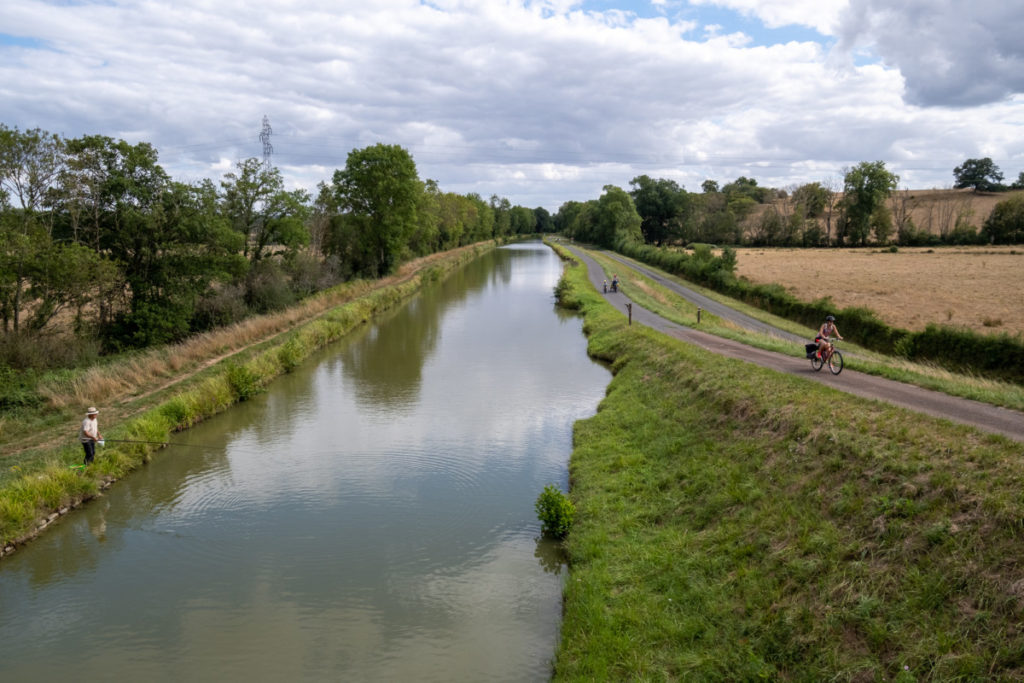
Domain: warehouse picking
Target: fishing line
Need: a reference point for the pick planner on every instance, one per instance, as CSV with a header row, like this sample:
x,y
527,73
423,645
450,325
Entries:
x,y
161,443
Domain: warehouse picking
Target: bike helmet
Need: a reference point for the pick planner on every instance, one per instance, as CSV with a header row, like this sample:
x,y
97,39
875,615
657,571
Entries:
x,y
830,318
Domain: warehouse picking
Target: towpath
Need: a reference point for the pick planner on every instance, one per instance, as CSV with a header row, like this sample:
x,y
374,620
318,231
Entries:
x,y
983,416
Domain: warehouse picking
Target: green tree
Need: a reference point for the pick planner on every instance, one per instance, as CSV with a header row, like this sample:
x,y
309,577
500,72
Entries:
x,y
502,209
524,220
1005,225
709,186
169,243
30,163
545,223
616,218
811,200
663,207
379,191
865,188
981,174
257,205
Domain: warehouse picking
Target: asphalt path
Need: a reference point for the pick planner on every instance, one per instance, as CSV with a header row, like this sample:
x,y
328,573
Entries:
x,y
708,304
985,417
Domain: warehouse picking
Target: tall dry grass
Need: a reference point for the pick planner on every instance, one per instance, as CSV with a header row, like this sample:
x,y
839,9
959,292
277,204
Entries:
x,y
149,370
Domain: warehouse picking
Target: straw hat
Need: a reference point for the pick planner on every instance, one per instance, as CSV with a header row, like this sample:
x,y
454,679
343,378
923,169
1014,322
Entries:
x,y
92,411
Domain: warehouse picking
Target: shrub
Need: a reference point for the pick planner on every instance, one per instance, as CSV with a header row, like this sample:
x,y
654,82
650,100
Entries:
x,y
291,354
555,512
243,381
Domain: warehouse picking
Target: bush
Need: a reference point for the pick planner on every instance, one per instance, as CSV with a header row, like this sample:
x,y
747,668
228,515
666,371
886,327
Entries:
x,y
222,307
555,512
243,381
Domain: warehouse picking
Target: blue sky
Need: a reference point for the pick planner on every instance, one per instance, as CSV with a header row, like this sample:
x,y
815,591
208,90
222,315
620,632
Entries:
x,y
539,101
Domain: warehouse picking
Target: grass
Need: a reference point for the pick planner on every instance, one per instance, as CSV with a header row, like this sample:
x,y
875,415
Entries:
x,y
737,524
34,483
671,306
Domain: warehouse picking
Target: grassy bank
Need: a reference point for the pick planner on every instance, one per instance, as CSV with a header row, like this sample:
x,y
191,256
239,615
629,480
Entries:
x,y
735,524
39,484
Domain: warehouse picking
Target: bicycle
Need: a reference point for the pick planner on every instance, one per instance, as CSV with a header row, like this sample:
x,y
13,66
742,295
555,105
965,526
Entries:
x,y
830,356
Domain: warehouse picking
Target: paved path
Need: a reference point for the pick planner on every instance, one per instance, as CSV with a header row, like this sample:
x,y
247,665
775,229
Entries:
x,y
983,416
708,304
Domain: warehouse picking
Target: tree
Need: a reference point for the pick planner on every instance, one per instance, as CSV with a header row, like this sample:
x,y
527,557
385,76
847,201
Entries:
x,y
709,186
168,241
811,199
545,223
981,174
379,191
257,205
616,218
663,207
30,163
524,220
865,188
1005,225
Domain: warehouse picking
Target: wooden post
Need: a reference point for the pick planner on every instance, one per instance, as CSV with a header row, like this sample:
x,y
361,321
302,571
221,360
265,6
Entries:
x,y
698,315
629,307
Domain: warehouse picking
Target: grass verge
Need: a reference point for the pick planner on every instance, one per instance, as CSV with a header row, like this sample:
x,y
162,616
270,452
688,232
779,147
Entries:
x,y
734,524
37,486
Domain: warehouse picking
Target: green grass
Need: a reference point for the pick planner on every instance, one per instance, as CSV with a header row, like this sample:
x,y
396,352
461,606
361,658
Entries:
x,y
738,524
671,306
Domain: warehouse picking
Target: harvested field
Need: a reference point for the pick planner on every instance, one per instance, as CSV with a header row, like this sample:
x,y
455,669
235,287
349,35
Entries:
x,y
975,287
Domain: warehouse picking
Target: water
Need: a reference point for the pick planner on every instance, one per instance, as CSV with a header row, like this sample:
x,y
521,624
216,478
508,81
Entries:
x,y
370,517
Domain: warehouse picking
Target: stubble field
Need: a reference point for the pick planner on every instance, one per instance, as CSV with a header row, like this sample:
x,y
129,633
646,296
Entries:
x,y
980,288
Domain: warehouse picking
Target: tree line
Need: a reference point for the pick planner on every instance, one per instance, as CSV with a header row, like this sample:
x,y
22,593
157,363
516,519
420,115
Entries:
x,y
866,208
102,251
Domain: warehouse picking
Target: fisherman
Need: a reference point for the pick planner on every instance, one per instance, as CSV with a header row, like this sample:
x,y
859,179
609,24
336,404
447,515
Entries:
x,y
89,434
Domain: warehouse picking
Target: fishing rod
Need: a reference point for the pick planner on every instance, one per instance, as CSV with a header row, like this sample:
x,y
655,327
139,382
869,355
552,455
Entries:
x,y
159,443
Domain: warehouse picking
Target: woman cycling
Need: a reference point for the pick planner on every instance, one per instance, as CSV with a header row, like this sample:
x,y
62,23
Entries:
x,y
828,329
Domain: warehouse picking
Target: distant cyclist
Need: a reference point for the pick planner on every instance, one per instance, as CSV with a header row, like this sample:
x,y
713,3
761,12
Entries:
x,y
828,329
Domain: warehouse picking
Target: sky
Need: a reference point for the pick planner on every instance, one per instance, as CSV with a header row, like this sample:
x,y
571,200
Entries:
x,y
537,101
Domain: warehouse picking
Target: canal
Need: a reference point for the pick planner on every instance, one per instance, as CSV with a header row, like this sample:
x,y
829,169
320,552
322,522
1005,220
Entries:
x,y
369,517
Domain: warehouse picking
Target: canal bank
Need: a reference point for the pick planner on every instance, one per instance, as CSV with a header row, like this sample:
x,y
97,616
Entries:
x,y
367,517
38,493
735,523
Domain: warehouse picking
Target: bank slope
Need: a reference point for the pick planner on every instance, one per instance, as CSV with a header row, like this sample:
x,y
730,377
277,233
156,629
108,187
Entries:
x,y
735,523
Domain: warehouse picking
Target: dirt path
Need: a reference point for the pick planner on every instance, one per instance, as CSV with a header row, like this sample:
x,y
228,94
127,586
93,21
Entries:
x,y
983,416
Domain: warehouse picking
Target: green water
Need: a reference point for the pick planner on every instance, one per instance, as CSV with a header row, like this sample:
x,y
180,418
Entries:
x,y
369,518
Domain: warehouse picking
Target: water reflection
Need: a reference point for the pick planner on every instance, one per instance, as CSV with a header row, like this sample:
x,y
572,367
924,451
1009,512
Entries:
x,y
368,518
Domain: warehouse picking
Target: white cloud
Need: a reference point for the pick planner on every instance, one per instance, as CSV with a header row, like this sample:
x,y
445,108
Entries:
x,y
540,102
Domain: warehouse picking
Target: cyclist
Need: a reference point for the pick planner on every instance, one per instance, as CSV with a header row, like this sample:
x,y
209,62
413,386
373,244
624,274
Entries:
x,y
828,329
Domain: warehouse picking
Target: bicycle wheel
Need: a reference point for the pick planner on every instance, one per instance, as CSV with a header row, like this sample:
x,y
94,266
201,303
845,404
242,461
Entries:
x,y
835,363
816,363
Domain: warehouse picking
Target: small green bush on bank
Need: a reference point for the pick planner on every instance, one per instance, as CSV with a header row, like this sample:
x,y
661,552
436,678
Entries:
x,y
555,512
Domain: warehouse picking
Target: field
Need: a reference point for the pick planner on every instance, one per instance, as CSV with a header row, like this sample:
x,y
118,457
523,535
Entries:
x,y
974,287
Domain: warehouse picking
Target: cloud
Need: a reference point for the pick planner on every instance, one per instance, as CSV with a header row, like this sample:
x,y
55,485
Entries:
x,y
950,53
540,102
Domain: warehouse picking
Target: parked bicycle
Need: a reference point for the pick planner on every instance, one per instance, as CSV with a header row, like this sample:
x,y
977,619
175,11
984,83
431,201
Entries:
x,y
829,356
